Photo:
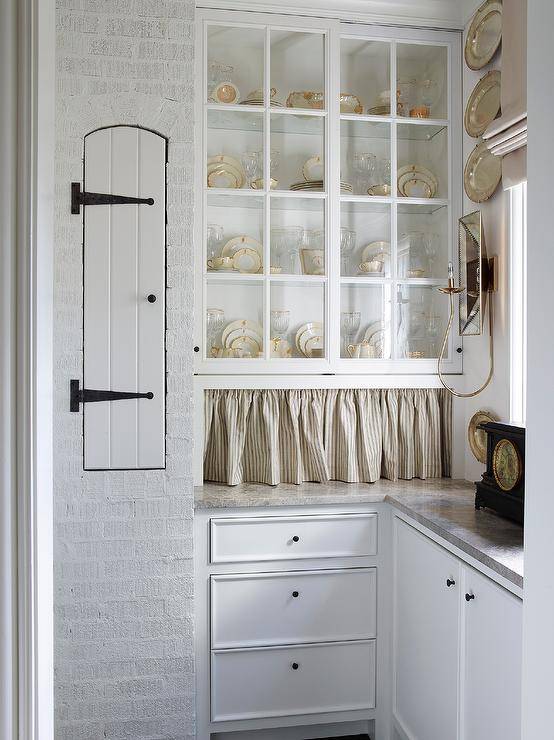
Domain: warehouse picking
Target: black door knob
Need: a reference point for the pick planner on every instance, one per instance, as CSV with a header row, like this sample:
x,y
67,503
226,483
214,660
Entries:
x,y
295,666
151,298
469,597
296,538
295,594
450,582
197,349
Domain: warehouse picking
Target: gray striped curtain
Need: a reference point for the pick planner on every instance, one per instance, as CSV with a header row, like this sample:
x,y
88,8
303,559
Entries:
x,y
351,435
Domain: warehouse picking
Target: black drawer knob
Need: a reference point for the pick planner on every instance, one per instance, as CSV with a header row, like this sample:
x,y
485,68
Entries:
x,y
469,597
151,298
295,666
296,538
197,349
450,582
295,594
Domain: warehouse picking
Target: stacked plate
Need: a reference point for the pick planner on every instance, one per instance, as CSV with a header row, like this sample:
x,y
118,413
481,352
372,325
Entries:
x,y
375,336
225,172
309,339
318,186
256,97
243,335
416,181
246,253
379,110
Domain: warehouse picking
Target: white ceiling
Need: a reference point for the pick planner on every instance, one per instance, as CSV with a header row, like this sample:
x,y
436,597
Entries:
x,y
431,13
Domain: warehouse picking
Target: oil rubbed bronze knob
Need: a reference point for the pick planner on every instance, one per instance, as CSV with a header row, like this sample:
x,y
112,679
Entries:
x,y
295,666
295,594
469,597
296,538
450,582
151,298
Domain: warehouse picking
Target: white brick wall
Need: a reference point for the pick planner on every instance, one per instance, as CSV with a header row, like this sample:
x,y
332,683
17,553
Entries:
x,y
123,540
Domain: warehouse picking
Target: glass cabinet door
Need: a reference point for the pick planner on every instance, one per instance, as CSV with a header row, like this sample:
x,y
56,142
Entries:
x,y
265,271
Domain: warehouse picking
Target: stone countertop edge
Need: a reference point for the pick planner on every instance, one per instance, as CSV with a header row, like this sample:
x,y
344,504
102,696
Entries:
x,y
443,505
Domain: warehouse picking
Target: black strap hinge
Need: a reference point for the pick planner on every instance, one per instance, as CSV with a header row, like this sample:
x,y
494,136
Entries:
x,y
86,395
82,198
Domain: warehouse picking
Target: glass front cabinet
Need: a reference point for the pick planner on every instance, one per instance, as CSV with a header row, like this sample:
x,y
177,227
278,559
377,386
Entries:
x,y
329,162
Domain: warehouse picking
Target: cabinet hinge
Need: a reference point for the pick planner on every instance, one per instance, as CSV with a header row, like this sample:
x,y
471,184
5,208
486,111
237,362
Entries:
x,y
87,395
82,198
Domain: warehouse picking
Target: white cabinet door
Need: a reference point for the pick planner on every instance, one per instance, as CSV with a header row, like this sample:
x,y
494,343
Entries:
x,y
426,637
491,688
124,263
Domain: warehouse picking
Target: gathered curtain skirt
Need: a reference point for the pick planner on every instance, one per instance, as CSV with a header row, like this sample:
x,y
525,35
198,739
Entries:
x,y
350,435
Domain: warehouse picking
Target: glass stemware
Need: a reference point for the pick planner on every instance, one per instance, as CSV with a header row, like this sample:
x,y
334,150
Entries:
x,y
280,319
347,244
363,164
350,323
214,239
215,321
251,162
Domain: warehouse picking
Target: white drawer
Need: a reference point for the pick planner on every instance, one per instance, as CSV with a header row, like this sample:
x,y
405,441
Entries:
x,y
262,682
285,608
247,539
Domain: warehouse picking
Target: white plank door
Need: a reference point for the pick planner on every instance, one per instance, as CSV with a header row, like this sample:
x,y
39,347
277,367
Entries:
x,y
426,637
124,263
492,646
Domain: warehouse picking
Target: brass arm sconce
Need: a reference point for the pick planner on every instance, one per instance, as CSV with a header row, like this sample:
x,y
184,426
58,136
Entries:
x,y
478,272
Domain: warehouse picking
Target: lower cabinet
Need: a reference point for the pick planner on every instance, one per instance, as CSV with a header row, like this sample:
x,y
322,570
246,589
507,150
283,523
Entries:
x,y
457,646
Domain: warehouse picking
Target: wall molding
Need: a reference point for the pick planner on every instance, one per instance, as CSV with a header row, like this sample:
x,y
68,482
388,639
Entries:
x,y
435,14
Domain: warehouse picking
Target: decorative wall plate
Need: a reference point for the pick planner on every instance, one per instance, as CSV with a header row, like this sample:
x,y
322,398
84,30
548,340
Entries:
x,y
483,104
482,174
484,34
247,260
477,438
240,242
314,169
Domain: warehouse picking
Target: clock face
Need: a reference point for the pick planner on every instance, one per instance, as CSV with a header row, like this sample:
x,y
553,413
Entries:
x,y
506,465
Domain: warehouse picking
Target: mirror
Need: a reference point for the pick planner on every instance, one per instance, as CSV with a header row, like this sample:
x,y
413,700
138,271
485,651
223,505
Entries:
x,y
474,274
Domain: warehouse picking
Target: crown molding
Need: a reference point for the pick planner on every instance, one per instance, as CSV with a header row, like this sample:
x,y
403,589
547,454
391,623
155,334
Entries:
x,y
440,14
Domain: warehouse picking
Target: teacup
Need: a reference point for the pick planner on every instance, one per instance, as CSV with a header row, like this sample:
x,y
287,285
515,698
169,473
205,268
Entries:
x,y
220,263
362,350
259,183
382,191
372,266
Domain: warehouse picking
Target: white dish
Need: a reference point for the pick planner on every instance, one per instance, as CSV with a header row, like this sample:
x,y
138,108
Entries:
x,y
247,260
375,336
415,181
484,34
419,168
223,178
483,104
305,332
375,250
240,242
313,343
229,162
280,348
236,333
243,326
225,92
246,344
314,169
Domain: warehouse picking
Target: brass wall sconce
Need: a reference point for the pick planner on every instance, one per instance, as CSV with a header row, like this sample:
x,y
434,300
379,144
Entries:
x,y
477,272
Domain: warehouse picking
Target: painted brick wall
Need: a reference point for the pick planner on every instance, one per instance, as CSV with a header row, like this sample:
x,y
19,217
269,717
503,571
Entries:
x,y
123,540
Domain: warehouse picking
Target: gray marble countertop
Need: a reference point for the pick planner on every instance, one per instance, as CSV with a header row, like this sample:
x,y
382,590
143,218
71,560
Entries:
x,y
442,505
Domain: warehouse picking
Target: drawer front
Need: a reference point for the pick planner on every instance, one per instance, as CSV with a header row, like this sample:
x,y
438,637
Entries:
x,y
286,608
262,682
249,539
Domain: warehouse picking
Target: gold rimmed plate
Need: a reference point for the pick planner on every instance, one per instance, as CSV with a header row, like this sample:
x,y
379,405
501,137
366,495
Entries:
x,y
484,34
483,104
482,174
476,437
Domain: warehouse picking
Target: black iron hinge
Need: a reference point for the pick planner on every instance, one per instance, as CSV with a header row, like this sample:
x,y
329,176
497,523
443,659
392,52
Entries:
x,y
86,395
82,198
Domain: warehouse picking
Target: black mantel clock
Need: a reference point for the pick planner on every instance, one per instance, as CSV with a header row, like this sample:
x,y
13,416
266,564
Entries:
x,y
503,484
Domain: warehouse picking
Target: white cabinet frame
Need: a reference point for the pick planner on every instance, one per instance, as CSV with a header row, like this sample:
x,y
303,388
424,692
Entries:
x,y
333,30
